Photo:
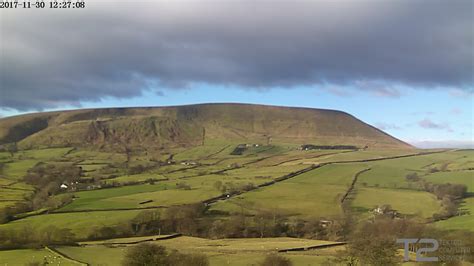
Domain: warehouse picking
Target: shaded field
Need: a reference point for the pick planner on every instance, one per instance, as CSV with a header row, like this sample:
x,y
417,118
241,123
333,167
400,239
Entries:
x,y
462,222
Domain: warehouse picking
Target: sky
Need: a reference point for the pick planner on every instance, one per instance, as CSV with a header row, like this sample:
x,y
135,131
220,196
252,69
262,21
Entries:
x,y
403,66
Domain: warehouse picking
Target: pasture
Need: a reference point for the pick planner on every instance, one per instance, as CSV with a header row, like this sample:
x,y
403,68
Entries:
x,y
81,224
27,256
465,221
422,204
228,251
203,172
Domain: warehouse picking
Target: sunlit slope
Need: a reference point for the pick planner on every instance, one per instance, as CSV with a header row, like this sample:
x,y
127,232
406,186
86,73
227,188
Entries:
x,y
191,125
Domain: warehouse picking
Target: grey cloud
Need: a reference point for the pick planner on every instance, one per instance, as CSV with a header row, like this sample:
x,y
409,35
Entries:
x,y
120,49
387,126
339,91
379,88
428,124
455,111
467,94
422,113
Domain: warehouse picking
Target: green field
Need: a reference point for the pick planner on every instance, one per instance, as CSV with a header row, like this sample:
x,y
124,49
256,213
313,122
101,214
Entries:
x,y
227,251
453,177
462,222
421,203
26,256
313,194
81,224
204,170
110,198
17,169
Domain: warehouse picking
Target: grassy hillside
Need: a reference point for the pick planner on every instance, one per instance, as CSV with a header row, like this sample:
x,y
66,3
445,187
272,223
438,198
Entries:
x,y
162,127
140,172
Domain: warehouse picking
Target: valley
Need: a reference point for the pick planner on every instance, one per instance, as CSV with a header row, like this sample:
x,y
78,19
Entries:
x,y
73,203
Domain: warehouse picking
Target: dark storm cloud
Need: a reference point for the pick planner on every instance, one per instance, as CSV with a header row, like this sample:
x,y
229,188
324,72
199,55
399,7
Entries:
x,y
58,57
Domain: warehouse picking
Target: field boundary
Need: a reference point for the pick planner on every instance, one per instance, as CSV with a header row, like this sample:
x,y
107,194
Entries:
x,y
228,196
154,238
313,157
313,247
64,256
354,181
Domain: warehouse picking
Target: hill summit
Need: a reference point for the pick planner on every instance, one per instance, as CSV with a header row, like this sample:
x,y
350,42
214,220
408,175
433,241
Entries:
x,y
192,125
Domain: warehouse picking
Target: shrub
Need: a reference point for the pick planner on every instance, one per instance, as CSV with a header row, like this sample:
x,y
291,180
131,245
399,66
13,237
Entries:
x,y
275,260
146,254
412,177
183,185
150,254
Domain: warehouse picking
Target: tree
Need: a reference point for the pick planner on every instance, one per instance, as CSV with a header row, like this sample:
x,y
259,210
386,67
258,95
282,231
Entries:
x,y
275,260
179,259
146,254
183,185
412,177
12,148
374,243
184,219
146,222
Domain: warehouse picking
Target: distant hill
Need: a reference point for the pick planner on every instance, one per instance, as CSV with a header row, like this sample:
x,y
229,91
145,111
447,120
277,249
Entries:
x,y
191,125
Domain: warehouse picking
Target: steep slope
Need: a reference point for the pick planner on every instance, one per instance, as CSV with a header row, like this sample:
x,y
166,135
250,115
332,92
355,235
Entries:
x,y
159,127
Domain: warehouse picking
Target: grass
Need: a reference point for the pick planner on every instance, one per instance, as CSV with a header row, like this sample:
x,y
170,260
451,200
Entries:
x,y
264,171
365,154
81,224
135,178
410,202
162,198
44,154
26,256
11,194
290,199
127,240
17,169
162,194
91,167
104,198
216,148
392,173
335,174
313,194
454,177
96,255
92,157
463,222
220,252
